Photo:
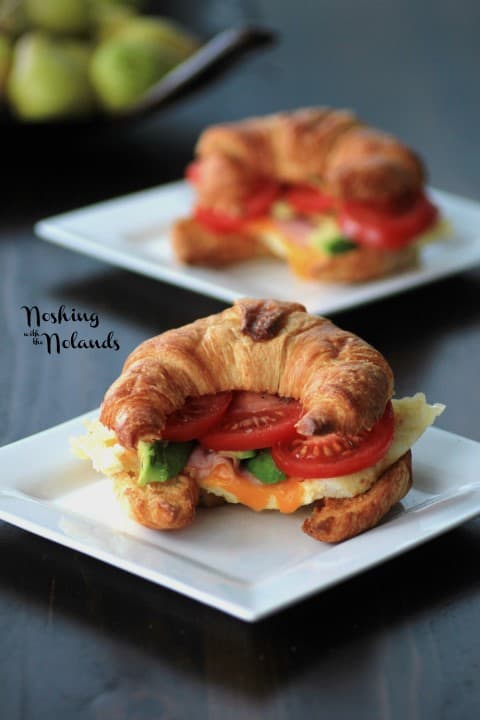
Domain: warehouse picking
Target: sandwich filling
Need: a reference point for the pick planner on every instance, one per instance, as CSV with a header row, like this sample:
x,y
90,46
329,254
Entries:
x,y
305,226
243,447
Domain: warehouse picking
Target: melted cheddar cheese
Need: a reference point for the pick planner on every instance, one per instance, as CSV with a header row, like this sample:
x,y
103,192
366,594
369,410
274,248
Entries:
x,y
286,496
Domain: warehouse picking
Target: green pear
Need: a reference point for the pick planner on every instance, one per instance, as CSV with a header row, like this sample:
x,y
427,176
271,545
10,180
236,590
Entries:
x,y
59,16
5,61
130,4
122,70
48,80
164,33
109,17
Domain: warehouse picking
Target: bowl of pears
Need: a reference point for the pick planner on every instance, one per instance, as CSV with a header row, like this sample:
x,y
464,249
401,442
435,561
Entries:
x,y
103,61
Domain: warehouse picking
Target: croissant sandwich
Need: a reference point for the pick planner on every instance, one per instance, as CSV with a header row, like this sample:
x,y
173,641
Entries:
x,y
338,200
264,405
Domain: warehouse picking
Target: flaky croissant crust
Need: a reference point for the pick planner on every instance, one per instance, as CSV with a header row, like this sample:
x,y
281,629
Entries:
x,y
334,520
266,346
329,147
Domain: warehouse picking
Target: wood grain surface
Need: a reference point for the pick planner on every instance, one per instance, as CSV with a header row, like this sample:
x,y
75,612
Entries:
x,y
81,640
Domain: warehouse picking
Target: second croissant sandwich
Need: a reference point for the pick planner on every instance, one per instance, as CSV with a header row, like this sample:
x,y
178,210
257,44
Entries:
x,y
264,405
338,200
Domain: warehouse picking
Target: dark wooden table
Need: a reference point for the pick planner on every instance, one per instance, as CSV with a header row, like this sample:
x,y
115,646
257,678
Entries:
x,y
80,639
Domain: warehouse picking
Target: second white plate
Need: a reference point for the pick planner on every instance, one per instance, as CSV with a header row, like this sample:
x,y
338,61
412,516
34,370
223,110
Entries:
x,y
133,232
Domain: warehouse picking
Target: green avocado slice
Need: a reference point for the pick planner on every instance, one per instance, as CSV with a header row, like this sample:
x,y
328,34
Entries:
x,y
264,468
327,237
160,460
339,245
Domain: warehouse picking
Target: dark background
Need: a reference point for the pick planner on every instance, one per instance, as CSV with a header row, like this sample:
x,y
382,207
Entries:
x,y
82,640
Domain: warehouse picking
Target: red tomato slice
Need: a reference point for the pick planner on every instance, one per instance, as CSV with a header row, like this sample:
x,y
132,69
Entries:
x,y
254,421
307,199
192,172
196,417
256,206
218,222
260,202
323,456
380,229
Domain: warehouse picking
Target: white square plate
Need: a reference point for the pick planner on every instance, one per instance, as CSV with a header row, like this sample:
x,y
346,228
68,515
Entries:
x,y
230,557
132,232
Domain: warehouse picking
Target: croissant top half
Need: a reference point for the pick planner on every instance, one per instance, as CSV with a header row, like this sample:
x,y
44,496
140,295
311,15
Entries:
x,y
332,148
266,346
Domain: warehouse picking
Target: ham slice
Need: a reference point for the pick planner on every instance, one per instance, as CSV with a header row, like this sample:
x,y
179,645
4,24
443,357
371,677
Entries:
x,y
297,230
201,462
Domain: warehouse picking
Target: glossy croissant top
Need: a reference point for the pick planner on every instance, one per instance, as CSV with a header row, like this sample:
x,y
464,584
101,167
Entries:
x,y
259,345
331,149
